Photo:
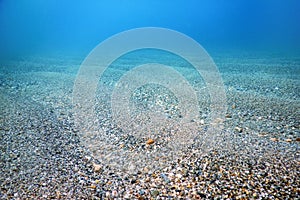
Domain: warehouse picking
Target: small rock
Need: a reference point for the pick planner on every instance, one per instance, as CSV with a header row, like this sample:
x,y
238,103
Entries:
x,y
133,181
92,186
274,139
262,134
228,116
97,168
219,120
154,193
238,129
87,158
146,170
142,192
179,176
150,141
58,195
166,179
114,193
107,194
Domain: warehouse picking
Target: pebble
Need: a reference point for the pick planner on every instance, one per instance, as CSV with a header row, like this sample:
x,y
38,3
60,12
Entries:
x,y
150,141
87,158
107,194
92,186
228,116
97,167
274,139
154,193
114,193
164,176
238,129
262,134
58,194
142,192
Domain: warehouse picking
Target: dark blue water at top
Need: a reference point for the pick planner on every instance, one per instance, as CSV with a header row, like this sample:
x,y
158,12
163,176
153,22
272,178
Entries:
x,y
67,27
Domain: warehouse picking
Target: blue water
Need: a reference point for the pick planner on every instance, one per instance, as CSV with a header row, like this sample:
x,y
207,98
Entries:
x,y
76,27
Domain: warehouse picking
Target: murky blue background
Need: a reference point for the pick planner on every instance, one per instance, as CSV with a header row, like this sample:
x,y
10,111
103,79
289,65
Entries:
x,y
75,27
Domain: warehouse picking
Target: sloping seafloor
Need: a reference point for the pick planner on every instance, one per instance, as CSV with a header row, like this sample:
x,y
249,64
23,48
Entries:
x,y
42,154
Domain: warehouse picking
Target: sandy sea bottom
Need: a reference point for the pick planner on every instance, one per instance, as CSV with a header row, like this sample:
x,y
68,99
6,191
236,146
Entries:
x,y
255,155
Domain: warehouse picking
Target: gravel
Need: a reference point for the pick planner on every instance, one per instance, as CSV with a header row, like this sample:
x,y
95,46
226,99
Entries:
x,y
43,157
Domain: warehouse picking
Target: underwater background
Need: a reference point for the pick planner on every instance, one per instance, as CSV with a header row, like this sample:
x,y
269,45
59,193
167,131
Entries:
x,y
48,152
64,27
